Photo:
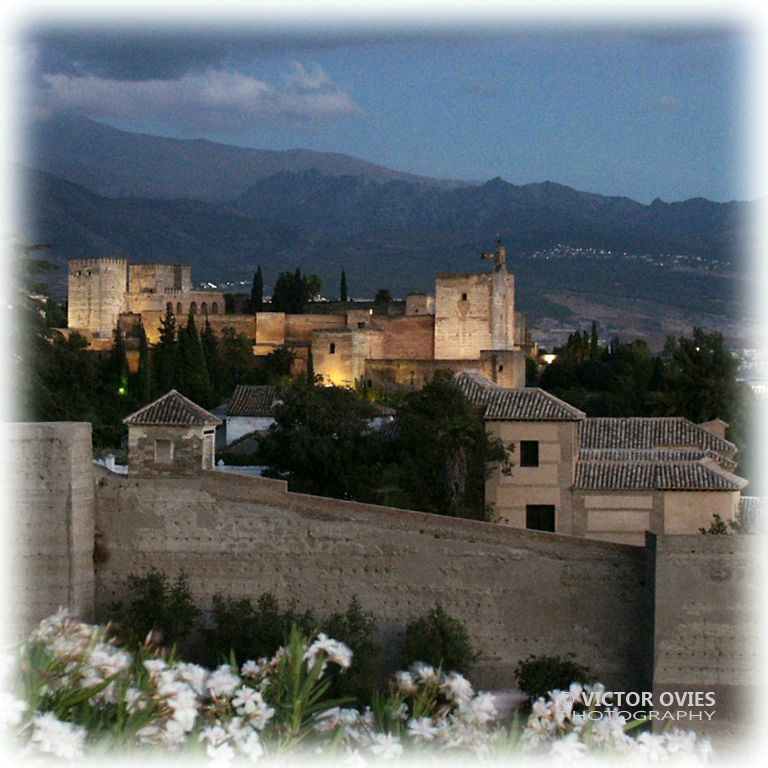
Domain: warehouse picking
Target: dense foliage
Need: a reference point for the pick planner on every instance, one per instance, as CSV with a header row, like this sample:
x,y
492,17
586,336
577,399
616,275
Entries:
x,y
438,459
440,640
538,675
692,377
293,291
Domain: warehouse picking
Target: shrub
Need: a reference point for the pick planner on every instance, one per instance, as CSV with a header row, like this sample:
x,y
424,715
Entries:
x,y
537,675
439,640
157,605
356,628
248,632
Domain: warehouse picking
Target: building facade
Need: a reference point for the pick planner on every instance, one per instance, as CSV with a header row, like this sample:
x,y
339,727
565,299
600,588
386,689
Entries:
x,y
603,478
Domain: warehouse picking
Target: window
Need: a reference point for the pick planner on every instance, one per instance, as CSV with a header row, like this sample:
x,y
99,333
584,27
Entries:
x,y
529,453
501,368
193,308
332,348
204,308
540,517
361,325
215,308
169,307
178,308
163,451
463,296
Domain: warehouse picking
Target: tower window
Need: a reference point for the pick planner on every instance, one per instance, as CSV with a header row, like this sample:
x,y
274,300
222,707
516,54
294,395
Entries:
x,y
332,348
463,296
529,453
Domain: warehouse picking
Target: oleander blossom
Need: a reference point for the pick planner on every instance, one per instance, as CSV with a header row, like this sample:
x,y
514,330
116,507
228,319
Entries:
x,y
279,707
334,651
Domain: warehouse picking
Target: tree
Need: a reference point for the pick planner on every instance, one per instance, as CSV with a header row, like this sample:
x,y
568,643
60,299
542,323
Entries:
x,y
343,288
440,640
383,295
145,386
442,451
321,443
165,353
257,292
237,363
538,675
191,370
293,291
116,367
212,354
158,605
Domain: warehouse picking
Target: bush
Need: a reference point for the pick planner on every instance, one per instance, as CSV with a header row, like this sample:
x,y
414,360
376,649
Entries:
x,y
158,605
537,675
356,628
248,632
439,640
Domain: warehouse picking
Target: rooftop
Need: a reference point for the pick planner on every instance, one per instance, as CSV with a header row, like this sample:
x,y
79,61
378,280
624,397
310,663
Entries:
x,y
253,400
173,410
520,404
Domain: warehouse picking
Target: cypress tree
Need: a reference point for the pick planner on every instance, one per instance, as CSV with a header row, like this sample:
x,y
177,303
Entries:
x,y
116,369
165,354
594,347
212,356
145,388
257,292
343,289
192,372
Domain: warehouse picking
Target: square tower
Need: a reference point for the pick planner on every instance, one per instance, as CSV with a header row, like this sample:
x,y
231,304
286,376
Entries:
x,y
96,294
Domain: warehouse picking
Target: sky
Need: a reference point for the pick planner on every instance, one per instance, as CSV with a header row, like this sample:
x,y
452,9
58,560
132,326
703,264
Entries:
x,y
644,111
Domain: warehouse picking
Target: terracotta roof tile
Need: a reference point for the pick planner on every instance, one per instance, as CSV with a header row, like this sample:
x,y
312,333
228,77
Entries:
x,y
172,409
253,400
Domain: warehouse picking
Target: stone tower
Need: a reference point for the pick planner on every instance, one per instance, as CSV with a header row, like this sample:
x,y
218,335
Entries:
x,y
97,290
475,311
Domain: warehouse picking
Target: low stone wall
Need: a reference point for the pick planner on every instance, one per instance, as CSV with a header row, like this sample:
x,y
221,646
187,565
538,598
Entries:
x,y
519,592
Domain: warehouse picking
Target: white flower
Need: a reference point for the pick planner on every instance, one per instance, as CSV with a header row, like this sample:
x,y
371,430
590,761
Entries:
x,y
222,681
405,682
155,666
51,735
250,669
651,747
249,744
194,675
246,700
220,755
568,748
386,746
423,672
422,729
457,688
11,709
334,650
480,709
213,735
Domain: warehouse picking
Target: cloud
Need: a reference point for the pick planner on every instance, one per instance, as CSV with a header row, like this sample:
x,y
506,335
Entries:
x,y
220,99
668,102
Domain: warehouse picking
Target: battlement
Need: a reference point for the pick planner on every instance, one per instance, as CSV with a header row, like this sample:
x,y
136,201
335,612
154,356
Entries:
x,y
95,262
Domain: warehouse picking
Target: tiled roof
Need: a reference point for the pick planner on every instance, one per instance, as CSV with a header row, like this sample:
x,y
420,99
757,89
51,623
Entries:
x,y
654,454
658,432
172,409
699,475
253,400
521,404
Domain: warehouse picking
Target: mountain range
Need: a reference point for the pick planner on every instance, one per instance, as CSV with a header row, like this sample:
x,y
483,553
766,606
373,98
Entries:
x,y
93,190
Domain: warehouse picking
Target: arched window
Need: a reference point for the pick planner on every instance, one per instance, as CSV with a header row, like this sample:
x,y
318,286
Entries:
x,y
193,308
178,308
215,308
169,307
204,307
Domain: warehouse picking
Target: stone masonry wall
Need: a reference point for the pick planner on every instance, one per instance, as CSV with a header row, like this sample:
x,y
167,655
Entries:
x,y
519,592
52,522
708,636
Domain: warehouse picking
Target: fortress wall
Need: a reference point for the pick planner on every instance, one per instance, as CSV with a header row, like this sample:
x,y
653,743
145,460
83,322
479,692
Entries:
x,y
52,526
96,294
519,592
299,328
708,635
409,337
